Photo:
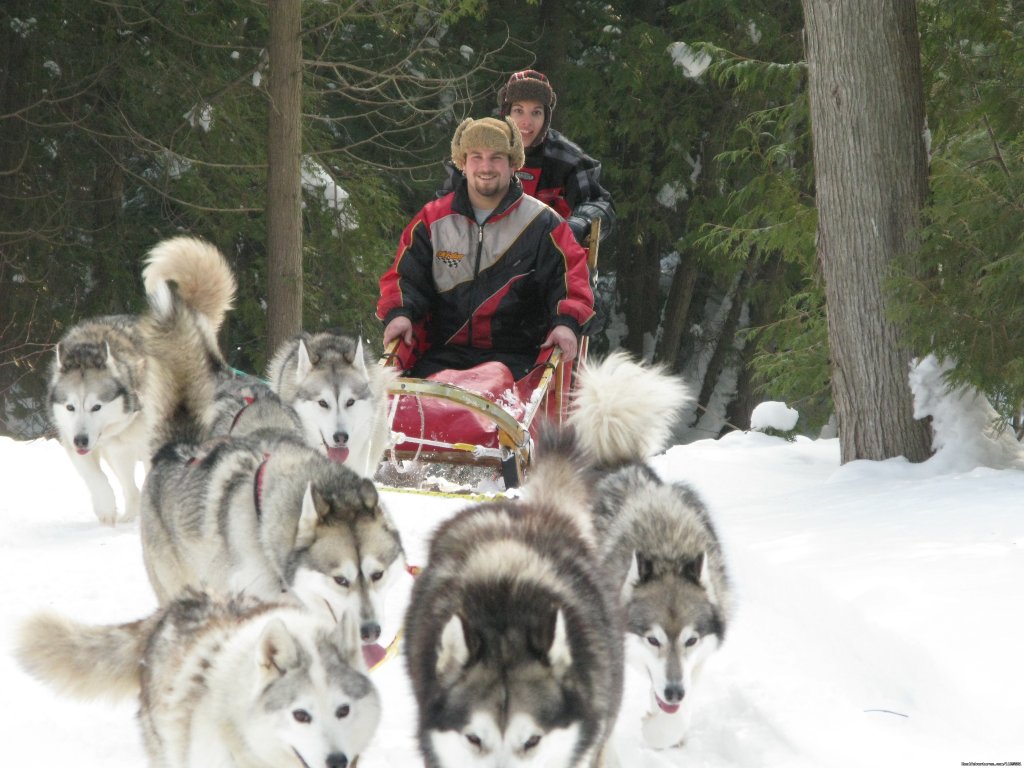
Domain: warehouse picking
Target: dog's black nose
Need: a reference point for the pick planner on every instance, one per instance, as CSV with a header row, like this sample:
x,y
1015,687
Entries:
x,y
337,760
369,632
674,693
341,438
81,441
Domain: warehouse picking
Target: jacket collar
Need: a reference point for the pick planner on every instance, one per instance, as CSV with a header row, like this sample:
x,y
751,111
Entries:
x,y
461,204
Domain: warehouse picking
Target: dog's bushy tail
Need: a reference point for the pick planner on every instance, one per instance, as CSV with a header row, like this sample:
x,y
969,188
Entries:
x,y
189,287
83,660
558,477
624,411
204,278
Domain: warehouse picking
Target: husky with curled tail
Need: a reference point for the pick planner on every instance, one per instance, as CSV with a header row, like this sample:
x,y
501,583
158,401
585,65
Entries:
x,y
513,632
238,683
656,539
101,377
258,512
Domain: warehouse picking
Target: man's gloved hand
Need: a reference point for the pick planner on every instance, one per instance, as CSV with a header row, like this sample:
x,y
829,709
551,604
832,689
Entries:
x,y
580,229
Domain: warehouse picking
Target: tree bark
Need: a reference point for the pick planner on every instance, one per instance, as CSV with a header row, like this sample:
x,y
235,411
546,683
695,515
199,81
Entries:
x,y
284,180
677,311
867,121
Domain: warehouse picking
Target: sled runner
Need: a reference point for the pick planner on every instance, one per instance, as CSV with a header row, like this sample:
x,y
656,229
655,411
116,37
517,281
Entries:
x,y
480,416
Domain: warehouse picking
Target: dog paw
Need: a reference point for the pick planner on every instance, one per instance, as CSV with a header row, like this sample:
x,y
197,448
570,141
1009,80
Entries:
x,y
128,516
106,516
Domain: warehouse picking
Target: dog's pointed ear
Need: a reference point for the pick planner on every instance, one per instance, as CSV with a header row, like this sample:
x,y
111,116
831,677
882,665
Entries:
x,y
276,651
560,652
632,579
452,650
346,638
699,572
367,495
644,568
359,362
696,570
309,518
303,364
108,358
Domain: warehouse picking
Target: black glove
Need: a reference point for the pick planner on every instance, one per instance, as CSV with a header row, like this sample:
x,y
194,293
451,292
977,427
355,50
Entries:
x,y
580,229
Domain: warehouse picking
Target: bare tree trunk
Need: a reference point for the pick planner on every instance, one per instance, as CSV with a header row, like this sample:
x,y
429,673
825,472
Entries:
x,y
725,338
677,310
867,120
637,284
284,182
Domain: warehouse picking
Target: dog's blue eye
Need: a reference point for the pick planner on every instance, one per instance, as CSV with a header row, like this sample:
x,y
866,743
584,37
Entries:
x,y
342,711
532,742
341,581
654,641
302,716
323,404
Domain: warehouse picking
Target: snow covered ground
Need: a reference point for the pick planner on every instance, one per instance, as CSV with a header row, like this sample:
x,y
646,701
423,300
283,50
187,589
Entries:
x,y
880,619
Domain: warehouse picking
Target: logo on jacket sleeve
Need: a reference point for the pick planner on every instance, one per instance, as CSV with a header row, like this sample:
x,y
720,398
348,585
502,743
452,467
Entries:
x,y
450,258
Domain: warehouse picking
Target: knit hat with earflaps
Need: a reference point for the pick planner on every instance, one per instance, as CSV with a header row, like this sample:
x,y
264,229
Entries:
x,y
528,85
488,133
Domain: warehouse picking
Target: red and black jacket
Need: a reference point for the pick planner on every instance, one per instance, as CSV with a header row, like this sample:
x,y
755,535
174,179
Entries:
x,y
499,285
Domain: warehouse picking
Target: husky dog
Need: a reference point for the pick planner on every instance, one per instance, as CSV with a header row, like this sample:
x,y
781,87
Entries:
x,y
656,539
514,637
96,380
260,512
244,405
234,684
101,374
340,400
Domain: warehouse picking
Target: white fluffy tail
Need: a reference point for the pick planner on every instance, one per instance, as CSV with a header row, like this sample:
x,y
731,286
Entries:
x,y
190,288
624,411
82,660
204,278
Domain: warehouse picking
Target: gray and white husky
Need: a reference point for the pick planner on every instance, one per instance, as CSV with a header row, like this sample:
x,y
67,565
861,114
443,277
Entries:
x,y
260,512
340,400
656,539
101,374
514,636
96,381
228,684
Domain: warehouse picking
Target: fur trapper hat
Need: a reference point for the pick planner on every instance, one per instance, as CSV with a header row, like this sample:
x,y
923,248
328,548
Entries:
x,y
488,133
528,85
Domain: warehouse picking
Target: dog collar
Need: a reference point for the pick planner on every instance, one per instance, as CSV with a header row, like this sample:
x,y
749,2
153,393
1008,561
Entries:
x,y
257,486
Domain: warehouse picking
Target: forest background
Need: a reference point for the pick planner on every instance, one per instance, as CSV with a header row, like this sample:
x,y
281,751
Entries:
x,y
122,123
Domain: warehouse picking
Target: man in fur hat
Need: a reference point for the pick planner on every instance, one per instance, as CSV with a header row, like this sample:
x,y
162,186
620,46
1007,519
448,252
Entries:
x,y
556,170
487,272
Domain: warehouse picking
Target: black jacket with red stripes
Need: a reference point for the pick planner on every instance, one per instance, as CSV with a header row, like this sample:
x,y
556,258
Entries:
x,y
501,285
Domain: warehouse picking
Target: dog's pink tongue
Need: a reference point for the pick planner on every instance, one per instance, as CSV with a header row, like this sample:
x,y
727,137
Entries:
x,y
667,708
339,455
374,654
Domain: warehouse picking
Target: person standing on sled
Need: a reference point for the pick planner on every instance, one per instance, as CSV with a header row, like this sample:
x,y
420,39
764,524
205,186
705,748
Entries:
x,y
556,170
490,272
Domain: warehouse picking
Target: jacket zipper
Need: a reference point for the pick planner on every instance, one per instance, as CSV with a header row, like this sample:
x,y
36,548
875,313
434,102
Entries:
x,y
476,274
